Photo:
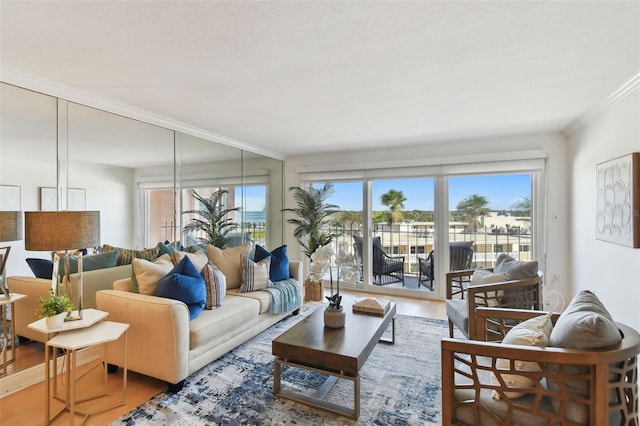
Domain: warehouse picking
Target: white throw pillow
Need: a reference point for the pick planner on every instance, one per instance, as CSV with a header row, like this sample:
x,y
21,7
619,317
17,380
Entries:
x,y
485,276
255,275
228,261
148,273
532,332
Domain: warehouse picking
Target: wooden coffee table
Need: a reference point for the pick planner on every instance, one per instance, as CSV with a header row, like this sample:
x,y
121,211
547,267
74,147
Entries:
x,y
339,353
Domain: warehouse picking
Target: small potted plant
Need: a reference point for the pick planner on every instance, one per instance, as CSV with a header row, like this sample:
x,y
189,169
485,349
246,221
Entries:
x,y
53,309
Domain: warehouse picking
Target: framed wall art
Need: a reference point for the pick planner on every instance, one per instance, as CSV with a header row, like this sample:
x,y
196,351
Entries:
x,y
76,199
618,200
10,198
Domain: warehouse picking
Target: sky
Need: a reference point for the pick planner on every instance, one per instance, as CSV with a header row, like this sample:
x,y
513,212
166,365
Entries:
x,y
501,191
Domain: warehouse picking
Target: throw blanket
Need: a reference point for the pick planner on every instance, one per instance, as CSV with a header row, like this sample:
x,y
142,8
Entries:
x,y
285,296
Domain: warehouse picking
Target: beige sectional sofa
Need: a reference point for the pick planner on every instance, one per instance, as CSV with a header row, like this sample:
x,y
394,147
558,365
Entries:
x,y
25,309
163,342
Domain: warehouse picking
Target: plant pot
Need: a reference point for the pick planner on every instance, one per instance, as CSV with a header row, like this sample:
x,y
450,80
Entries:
x,y
55,321
334,318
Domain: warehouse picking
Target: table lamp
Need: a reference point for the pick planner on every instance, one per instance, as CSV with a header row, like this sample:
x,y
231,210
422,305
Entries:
x,y
10,230
61,232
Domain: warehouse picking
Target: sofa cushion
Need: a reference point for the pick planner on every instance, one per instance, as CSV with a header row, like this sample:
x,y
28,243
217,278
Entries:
x,y
199,258
41,268
228,261
263,298
184,283
146,274
91,262
532,332
237,313
585,324
279,269
215,285
127,255
516,269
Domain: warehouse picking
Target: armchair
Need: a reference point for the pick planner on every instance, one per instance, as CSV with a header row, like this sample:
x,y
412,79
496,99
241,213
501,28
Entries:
x,y
461,304
607,377
460,258
386,269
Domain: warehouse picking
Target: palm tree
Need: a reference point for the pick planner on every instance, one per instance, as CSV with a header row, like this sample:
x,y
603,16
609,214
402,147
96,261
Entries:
x,y
471,208
313,219
395,201
212,219
523,206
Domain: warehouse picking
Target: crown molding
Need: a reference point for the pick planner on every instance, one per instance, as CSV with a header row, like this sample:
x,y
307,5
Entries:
x,y
627,88
47,87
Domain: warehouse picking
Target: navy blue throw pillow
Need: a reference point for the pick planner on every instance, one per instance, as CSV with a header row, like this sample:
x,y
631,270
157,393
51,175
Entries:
x,y
279,269
184,283
41,268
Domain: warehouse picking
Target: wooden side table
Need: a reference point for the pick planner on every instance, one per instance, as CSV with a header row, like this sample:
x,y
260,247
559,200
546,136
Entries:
x,y
97,334
8,328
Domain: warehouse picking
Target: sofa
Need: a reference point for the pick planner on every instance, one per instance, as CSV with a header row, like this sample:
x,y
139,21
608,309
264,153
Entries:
x,y
538,368
164,343
25,308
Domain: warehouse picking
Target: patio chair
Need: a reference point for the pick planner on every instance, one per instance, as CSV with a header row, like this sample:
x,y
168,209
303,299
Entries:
x,y
460,258
386,269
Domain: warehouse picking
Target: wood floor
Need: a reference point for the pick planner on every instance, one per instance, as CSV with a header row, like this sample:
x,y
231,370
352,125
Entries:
x,y
27,407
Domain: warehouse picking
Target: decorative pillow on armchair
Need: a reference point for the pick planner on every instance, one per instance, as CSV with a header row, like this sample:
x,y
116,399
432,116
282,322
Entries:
x,y
484,276
516,269
184,283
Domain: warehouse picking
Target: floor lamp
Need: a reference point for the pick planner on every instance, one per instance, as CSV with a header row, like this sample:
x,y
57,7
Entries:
x,y
61,232
10,230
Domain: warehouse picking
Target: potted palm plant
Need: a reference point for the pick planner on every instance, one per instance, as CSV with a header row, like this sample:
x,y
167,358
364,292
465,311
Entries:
x,y
313,215
54,309
212,218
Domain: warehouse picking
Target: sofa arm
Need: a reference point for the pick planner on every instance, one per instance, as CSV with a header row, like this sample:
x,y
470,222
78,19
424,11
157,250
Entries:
x,y
25,308
158,336
295,270
96,280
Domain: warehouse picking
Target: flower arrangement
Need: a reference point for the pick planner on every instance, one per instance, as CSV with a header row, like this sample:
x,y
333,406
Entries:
x,y
321,261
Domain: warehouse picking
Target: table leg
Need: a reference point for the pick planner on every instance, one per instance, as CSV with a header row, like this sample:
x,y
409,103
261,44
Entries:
x,y
71,387
392,340
47,372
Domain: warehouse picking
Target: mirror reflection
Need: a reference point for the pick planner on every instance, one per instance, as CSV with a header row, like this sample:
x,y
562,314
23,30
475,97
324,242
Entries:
x,y
139,176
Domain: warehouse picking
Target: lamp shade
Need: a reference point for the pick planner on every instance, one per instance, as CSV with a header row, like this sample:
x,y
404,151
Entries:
x,y
66,230
10,226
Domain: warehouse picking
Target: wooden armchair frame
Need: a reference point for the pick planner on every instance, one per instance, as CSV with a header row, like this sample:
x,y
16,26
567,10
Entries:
x,y
610,375
516,294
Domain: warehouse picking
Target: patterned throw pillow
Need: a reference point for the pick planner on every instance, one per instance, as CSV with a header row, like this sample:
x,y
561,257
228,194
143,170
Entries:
x,y
255,275
127,255
215,284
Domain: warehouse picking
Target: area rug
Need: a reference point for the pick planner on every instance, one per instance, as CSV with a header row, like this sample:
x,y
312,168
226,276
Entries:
x,y
399,385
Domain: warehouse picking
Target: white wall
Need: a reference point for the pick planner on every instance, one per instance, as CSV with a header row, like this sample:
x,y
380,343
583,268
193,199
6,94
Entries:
x,y
557,272
611,271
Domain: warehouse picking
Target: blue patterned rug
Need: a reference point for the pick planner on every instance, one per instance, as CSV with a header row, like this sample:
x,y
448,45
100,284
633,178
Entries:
x,y
399,385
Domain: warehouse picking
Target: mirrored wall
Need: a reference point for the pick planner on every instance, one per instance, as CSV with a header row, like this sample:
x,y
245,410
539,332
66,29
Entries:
x,y
140,176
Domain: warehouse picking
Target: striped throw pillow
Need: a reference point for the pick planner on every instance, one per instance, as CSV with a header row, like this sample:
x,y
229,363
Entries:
x,y
255,276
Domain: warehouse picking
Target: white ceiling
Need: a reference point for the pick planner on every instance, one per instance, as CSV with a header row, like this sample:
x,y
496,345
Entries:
x,y
301,77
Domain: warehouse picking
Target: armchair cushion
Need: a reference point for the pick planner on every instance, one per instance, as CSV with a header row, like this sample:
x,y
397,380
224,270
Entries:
x,y
458,313
516,269
485,276
532,332
184,283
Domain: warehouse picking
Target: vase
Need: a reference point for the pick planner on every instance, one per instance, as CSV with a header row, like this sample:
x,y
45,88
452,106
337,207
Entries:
x,y
55,321
334,318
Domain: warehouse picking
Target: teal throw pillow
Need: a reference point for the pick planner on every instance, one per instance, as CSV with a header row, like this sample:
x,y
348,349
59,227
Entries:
x,y
279,269
184,283
90,262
